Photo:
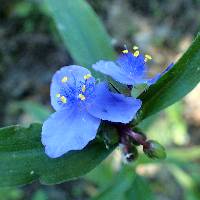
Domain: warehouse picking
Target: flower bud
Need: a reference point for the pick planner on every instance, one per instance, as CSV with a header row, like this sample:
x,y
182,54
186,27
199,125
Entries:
x,y
130,153
137,138
154,150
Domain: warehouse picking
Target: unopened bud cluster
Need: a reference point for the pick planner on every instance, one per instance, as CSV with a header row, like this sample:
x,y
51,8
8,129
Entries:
x,y
130,140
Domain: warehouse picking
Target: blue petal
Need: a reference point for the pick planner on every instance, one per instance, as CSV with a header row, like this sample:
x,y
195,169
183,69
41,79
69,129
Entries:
x,y
135,66
158,76
67,130
127,69
75,75
115,71
113,107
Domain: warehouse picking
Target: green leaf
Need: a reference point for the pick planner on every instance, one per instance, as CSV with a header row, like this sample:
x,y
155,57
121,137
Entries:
x,y
125,185
188,154
81,30
22,158
103,174
174,85
40,195
190,186
11,194
140,190
118,187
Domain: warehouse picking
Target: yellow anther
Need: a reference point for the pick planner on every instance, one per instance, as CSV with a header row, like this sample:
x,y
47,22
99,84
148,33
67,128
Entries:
x,y
58,95
135,48
125,51
136,53
83,88
148,57
64,79
63,99
81,97
87,76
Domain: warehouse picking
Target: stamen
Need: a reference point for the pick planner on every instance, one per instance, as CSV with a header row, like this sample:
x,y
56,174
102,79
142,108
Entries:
x,y
136,54
64,79
135,48
63,99
87,76
58,95
81,97
147,57
83,88
125,51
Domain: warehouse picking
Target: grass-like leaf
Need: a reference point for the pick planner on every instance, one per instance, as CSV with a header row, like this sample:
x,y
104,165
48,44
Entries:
x,y
174,85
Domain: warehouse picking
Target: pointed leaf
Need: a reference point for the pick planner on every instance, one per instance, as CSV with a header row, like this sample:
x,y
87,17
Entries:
x,y
175,84
22,158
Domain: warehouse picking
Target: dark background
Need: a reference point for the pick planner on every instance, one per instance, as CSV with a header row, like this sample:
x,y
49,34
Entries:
x,y
31,50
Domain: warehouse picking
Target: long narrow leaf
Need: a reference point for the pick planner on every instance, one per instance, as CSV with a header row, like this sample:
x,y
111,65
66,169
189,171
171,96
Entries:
x,y
175,84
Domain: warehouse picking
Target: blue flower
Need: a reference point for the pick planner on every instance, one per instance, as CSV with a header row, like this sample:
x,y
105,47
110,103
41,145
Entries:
x,y
130,68
80,106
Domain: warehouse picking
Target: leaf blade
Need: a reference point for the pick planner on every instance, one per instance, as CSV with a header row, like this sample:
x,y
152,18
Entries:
x,y
81,30
22,158
174,85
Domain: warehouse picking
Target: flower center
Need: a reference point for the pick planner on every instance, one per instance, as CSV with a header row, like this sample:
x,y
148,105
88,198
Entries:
x,y
76,91
86,88
133,62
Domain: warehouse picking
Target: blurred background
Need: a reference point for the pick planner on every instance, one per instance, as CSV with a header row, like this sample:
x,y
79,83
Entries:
x,y
31,50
